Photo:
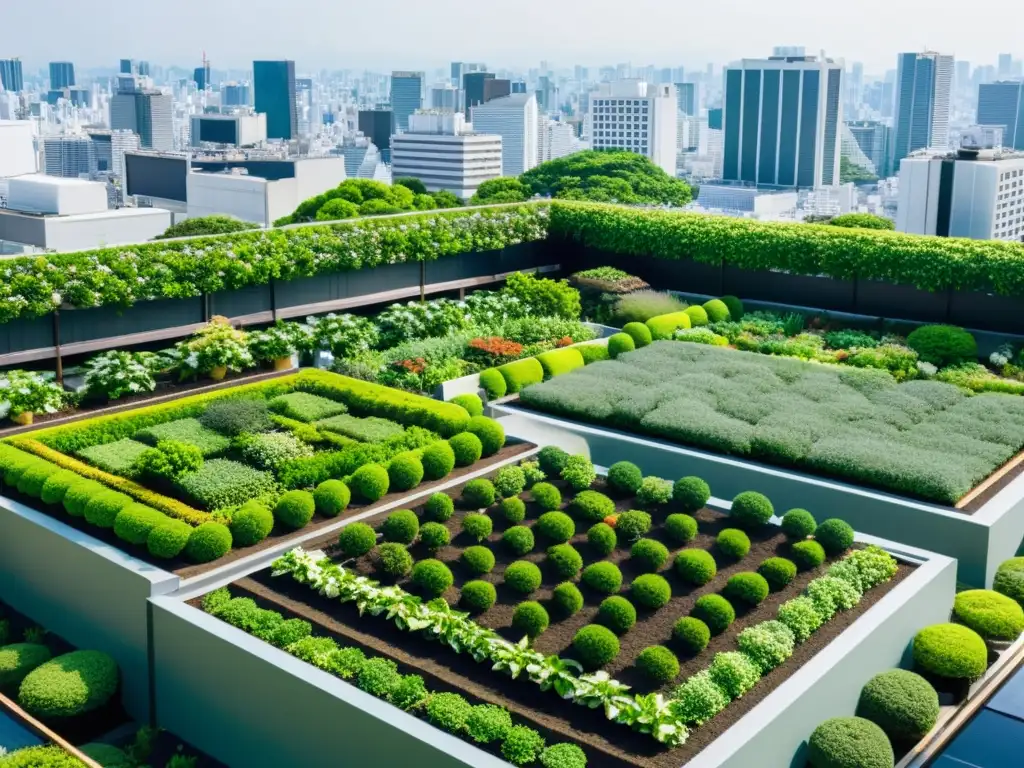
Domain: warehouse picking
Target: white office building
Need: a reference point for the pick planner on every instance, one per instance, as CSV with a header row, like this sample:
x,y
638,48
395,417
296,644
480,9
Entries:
x,y
554,139
514,119
228,130
635,116
17,155
442,151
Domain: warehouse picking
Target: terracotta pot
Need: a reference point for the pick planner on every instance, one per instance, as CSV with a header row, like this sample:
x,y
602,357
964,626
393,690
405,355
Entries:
x,y
23,418
283,363
218,373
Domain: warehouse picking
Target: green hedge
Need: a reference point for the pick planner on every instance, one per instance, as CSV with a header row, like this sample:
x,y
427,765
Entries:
x,y
929,263
559,361
522,373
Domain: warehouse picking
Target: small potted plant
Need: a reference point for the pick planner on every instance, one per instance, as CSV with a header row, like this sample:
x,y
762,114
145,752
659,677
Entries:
x,y
274,345
214,349
28,393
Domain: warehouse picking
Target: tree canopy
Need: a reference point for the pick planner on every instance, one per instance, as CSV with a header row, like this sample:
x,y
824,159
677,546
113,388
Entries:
x,y
849,171
862,221
362,197
206,225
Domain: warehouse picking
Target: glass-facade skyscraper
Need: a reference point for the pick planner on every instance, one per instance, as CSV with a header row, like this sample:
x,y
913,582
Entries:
x,y
11,75
274,86
62,75
924,84
1003,104
406,96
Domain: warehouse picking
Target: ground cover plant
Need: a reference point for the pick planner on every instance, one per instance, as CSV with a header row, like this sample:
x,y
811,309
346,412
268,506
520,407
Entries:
x,y
925,439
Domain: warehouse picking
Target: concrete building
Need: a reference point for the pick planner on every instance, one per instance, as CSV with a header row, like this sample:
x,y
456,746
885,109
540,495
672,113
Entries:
x,y
362,158
441,151
444,97
236,95
147,112
378,125
473,84
274,87
70,157
514,119
234,130
554,139
782,119
733,199
634,116
406,96
1002,104
17,155
687,96
872,139
923,98
973,193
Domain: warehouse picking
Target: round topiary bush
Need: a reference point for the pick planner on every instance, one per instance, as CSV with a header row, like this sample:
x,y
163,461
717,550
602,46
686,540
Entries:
x,y
747,587
605,578
555,526
490,432
134,522
564,755
650,590
1009,579
510,482
620,343
207,543
798,524
617,613
432,577
478,596
522,577
595,646
943,345
990,614
471,402
834,535
295,509
331,498
602,539
696,566
715,611
478,560
438,460
849,742
778,572
735,307
518,539
33,479
466,448
901,703
513,510
633,524
648,555
356,539
493,383
78,495
370,482
405,472
625,476
69,685
692,634
564,561
951,651
439,507
658,664
56,485
103,508
477,526
546,496
698,316
681,528
691,493
751,510
592,506
639,332
401,526
567,599
168,539
392,560
434,536
718,311
808,554
552,459
530,618
734,543
17,660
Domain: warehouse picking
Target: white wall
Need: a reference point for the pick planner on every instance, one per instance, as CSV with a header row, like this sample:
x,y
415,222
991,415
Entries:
x,y
127,225
974,200
315,176
244,197
16,154
917,209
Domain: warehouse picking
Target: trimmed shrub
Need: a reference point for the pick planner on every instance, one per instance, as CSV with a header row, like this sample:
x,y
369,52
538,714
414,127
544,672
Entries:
x,y
650,590
681,528
295,509
595,646
801,616
747,587
513,509
477,526
555,526
493,383
448,711
943,345
717,311
620,343
69,685
106,755
567,599
103,508
471,402
208,542
617,613
691,493
735,307
593,353
563,755
467,448
751,510
439,507
405,472
692,634
518,539
530,618
370,482
356,539
653,492
56,485
478,596
1009,579
658,664
602,538
78,495
434,536
592,506
487,723
808,554
901,703
401,526
734,673
696,566
990,614
733,542
134,523
715,611
665,326
438,460
393,560
639,332
552,459
432,577
331,498
521,373
522,577
477,494
632,525
625,477
778,572
168,539
546,496
849,742
605,578
565,562
17,660
301,406
768,644
478,559
509,482
834,535
490,433
798,524
698,316
558,361
522,746
579,472
648,555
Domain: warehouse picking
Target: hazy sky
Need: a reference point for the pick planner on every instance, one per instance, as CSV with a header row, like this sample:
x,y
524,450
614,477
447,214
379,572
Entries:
x,y
422,34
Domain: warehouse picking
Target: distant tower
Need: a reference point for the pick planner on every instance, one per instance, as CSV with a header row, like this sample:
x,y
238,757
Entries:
x,y
924,84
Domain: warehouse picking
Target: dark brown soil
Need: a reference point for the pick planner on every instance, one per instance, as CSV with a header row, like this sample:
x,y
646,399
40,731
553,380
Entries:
x,y
607,744
985,496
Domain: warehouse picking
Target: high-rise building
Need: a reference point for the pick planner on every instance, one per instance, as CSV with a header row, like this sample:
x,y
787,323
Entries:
x,y
496,88
68,156
378,125
962,75
782,116
127,67
872,139
236,130
121,142
514,118
634,116
1002,103
518,86
145,112
11,77
236,95
62,75
143,68
924,83
462,68
555,139
406,96
444,97
274,86
855,89
201,76
473,88
1005,65
686,95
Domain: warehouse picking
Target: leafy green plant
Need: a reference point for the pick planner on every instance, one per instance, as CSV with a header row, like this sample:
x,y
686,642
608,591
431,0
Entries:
x,y
595,646
658,664
943,345
522,745
519,539
990,614
567,599
602,539
114,374
30,392
478,596
901,703
715,611
641,306
530,618
851,741
522,577
798,524
604,578
303,406
69,685
616,613
223,483
692,634
768,644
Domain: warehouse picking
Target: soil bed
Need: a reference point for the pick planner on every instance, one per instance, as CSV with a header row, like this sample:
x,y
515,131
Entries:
x,y
607,744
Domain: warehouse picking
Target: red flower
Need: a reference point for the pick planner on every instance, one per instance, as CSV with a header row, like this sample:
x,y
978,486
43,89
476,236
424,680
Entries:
x,y
496,346
565,341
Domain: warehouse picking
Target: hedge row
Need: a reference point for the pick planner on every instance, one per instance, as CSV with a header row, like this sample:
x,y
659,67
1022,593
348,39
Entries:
x,y
532,370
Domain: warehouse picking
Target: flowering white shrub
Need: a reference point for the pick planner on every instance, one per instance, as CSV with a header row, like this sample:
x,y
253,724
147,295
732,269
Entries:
x,y
344,335
114,374
29,392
